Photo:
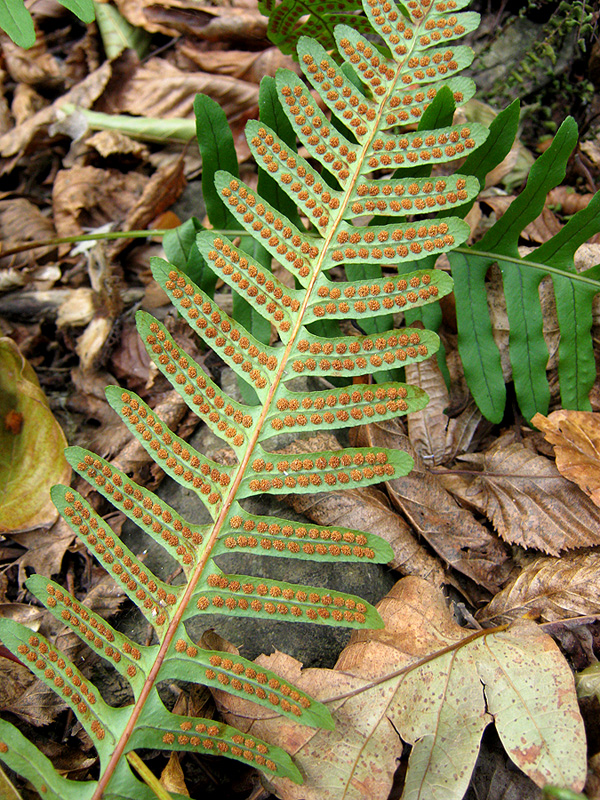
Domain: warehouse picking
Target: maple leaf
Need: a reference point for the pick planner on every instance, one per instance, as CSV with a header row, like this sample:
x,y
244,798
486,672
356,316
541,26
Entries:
x,y
437,686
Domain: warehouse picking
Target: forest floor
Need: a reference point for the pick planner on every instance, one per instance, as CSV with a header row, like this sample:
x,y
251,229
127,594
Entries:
x,y
485,505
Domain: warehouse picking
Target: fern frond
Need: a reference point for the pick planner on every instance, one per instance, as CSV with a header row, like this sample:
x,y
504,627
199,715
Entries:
x,y
365,160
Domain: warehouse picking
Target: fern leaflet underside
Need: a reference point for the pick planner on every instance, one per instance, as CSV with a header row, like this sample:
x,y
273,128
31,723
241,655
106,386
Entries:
x,y
360,163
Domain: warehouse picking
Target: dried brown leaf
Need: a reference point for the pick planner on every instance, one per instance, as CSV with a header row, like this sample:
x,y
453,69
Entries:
x,y
14,143
247,66
434,435
88,197
156,88
453,532
368,510
439,687
540,230
21,221
549,589
530,503
568,199
576,439
172,778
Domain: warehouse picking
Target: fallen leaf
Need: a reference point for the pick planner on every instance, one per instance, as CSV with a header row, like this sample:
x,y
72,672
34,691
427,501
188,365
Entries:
x,y
549,589
568,199
172,778
31,457
436,437
88,197
576,439
14,143
453,532
368,509
247,66
20,222
529,502
543,228
158,89
436,685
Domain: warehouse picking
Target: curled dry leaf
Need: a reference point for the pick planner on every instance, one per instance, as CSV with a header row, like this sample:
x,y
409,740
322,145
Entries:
x,y
21,221
453,532
247,66
435,436
158,89
549,589
576,439
31,446
530,503
437,686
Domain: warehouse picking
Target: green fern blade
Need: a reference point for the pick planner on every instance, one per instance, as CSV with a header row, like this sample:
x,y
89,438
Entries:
x,y
409,196
503,131
245,679
232,343
180,249
126,656
336,408
576,362
547,172
102,723
281,537
269,296
360,355
158,597
20,755
226,417
351,467
124,785
559,251
159,729
527,347
248,596
155,517
175,456
372,295
217,149
285,25
84,9
478,351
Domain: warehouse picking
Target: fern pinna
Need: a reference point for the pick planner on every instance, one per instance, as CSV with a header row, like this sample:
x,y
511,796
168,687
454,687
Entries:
x,y
368,159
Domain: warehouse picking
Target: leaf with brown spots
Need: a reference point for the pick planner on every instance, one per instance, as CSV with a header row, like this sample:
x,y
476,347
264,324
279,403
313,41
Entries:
x,y
437,686
576,439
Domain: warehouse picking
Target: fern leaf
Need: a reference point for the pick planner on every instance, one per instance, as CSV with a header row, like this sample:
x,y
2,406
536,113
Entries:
x,y
362,161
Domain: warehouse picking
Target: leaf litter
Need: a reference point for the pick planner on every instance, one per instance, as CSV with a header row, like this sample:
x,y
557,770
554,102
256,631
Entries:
x,y
483,515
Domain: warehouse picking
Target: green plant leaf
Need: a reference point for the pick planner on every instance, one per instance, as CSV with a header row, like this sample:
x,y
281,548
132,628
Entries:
x,y
16,21
116,32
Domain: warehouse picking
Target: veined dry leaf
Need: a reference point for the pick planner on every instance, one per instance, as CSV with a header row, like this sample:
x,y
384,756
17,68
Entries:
x,y
243,64
368,509
452,684
158,89
450,530
87,197
21,221
539,231
569,200
84,94
172,776
576,439
549,589
436,437
31,446
530,503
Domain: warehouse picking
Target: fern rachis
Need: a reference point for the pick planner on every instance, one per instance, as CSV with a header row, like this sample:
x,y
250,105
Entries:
x,y
368,140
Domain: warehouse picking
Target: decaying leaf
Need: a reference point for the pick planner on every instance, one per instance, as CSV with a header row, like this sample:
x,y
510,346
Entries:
x,y
435,436
453,532
31,446
549,589
530,503
445,686
576,439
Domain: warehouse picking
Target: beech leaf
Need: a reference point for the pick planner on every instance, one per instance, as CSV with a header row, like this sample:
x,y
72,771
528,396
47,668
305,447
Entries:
x,y
576,439
550,589
31,446
445,685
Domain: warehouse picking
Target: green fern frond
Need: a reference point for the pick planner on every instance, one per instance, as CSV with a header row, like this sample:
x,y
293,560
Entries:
x,y
367,159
